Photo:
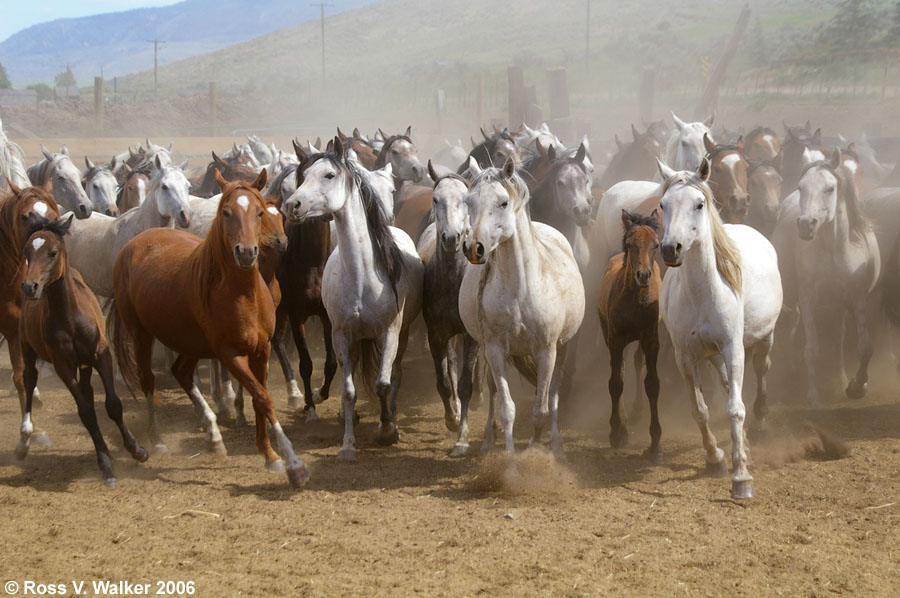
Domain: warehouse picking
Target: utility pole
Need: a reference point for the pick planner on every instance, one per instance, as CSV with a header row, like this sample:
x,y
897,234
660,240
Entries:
x,y
156,43
587,36
322,6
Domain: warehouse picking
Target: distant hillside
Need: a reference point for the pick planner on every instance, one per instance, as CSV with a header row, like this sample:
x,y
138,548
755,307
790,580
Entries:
x,y
117,41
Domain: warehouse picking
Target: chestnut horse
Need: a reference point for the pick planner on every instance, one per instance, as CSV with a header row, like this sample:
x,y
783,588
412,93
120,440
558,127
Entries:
x,y
761,144
61,323
133,189
203,299
728,179
237,167
764,186
18,211
628,306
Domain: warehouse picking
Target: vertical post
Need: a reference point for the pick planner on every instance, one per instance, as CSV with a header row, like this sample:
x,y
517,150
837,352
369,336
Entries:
x,y
439,101
479,101
212,108
587,37
322,6
98,104
155,68
516,81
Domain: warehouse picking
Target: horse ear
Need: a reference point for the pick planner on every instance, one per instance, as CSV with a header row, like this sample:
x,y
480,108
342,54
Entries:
x,y
301,155
586,143
338,148
704,169
46,153
408,132
261,179
220,180
113,163
540,147
679,124
835,158
184,164
131,154
341,134
817,137
219,161
318,142
740,142
483,134
65,224
851,147
618,142
88,163
357,134
171,144
472,139
664,169
432,173
654,215
634,132
627,219
148,142
581,153
127,168
157,162
551,153
709,121
48,186
509,169
709,144
234,149
497,129
474,167
778,160
12,186
808,126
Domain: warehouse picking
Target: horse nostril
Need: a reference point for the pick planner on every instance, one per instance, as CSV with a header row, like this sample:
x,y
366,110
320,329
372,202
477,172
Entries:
x,y
479,250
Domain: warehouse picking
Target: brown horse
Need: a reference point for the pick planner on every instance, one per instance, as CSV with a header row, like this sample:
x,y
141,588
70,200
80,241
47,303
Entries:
x,y
133,189
495,150
61,323
728,179
203,299
363,148
796,142
18,211
764,186
761,144
635,161
415,213
628,306
236,168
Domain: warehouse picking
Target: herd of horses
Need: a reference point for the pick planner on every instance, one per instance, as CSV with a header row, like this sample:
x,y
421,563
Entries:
x,y
716,239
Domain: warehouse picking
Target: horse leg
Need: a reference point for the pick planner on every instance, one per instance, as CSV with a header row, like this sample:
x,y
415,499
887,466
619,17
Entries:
x,y
282,321
306,368
347,359
390,348
741,480
143,356
810,349
223,390
715,457
466,383
321,393
649,346
439,346
761,364
618,426
29,380
556,443
88,416
397,377
251,374
453,375
183,370
489,432
496,358
637,405
858,386
113,404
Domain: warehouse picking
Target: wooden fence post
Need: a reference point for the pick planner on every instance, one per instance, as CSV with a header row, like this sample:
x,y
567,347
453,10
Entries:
x,y
212,108
710,95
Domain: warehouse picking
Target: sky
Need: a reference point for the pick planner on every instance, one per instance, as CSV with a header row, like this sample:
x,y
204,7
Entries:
x,y
19,14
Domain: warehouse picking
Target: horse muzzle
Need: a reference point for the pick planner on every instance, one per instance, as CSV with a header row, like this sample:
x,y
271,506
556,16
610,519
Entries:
x,y
184,219
83,210
582,216
32,289
450,243
672,254
474,253
642,278
245,255
806,227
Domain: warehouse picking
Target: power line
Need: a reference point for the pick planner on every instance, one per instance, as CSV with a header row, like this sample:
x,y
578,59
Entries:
x,y
322,6
155,43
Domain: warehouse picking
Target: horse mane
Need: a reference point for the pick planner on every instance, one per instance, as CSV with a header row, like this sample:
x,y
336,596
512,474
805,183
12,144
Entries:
x,y
381,158
60,228
273,191
12,161
40,172
9,206
728,259
636,221
515,185
847,190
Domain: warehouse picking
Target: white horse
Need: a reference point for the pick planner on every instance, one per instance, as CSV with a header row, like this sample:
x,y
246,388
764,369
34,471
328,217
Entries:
x,y
94,243
150,155
524,299
835,262
685,149
371,287
100,184
66,180
12,163
720,297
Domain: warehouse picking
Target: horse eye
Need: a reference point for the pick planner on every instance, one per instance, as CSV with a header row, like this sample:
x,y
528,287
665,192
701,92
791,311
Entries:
x,y
227,213
165,187
330,175
504,204
830,190
395,152
700,206
54,253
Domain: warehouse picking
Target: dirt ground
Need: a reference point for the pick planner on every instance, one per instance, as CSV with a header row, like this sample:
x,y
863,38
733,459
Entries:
x,y
408,520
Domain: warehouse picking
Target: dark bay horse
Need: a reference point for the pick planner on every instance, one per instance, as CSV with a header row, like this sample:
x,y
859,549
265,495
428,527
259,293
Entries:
x,y
495,150
364,151
204,299
634,161
628,306
728,179
61,323
798,142
764,185
400,152
18,211
237,167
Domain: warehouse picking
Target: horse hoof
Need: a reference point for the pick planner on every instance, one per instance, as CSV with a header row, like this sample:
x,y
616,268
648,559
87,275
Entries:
x,y
21,451
311,414
460,449
742,490
109,482
387,434
276,466
618,438
218,449
298,477
717,470
558,453
241,421
318,397
451,422
159,450
855,390
347,454
41,438
655,455
295,402
141,454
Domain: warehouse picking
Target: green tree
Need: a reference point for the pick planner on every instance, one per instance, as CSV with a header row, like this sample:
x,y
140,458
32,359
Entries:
x,y
44,91
65,79
4,80
853,27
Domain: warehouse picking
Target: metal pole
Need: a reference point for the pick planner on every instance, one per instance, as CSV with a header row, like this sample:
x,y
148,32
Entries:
x,y
322,6
587,37
156,43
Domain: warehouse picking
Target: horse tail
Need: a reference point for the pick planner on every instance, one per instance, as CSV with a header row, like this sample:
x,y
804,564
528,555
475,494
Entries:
x,y
123,346
890,286
368,363
527,367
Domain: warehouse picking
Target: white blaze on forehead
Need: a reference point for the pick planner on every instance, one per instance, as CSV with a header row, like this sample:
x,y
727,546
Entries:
x,y
731,159
243,202
37,243
271,210
142,184
41,208
850,165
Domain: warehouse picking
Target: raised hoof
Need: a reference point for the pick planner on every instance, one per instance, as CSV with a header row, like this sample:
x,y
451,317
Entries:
x,y
109,482
41,438
347,454
159,450
141,455
742,490
717,470
451,421
460,449
298,477
855,390
276,466
311,415
387,434
218,449
21,451
618,437
318,397
654,455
